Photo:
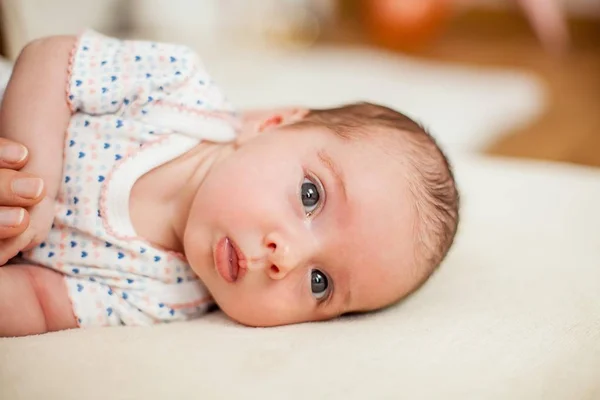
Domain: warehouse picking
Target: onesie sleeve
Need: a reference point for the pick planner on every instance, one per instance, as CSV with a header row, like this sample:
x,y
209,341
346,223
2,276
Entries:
x,y
162,84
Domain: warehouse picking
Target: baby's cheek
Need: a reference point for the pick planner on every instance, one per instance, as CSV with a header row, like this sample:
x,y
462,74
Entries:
x,y
197,247
267,308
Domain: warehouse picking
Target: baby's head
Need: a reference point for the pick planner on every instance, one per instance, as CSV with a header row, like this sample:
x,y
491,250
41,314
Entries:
x,y
320,213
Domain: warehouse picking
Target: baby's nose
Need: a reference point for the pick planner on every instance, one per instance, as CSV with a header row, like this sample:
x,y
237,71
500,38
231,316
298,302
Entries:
x,y
285,255
282,260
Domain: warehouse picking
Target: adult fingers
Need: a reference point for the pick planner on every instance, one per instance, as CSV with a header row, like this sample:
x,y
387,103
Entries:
x,y
12,155
20,188
13,221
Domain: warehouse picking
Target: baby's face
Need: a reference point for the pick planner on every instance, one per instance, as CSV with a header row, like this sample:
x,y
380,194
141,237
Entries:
x,y
300,225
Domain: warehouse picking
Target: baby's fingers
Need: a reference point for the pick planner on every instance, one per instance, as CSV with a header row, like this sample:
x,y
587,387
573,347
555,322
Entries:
x,y
13,221
9,248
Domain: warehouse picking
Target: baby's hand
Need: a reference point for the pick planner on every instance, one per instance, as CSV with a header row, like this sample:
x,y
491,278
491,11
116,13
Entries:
x,y
40,222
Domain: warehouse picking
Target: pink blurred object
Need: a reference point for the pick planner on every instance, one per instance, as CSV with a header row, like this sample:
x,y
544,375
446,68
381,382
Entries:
x,y
549,22
547,18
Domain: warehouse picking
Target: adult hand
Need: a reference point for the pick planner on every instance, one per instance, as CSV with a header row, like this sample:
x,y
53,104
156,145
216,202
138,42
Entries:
x,y
17,189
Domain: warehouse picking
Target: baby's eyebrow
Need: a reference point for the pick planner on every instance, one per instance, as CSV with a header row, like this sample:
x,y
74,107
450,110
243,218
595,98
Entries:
x,y
334,170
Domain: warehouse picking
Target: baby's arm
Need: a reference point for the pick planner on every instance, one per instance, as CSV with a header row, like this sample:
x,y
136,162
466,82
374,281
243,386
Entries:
x,y
33,300
36,114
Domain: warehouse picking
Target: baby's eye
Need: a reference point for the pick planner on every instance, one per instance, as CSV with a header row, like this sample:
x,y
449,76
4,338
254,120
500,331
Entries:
x,y
310,196
319,284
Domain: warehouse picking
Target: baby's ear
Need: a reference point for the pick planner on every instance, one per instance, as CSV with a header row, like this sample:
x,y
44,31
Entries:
x,y
255,122
278,117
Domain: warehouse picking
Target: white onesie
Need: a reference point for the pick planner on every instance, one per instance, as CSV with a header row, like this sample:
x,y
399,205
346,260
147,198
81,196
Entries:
x,y
136,105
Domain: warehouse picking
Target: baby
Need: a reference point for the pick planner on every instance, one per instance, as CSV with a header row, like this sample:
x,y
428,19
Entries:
x,y
161,200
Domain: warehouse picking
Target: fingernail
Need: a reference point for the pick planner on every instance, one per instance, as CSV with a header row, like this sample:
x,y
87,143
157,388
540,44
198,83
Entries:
x,y
11,216
29,188
13,153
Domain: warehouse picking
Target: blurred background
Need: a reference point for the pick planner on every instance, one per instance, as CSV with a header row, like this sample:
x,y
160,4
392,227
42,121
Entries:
x,y
517,78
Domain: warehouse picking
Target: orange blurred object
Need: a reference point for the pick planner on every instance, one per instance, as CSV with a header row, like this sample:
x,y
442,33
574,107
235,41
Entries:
x,y
406,25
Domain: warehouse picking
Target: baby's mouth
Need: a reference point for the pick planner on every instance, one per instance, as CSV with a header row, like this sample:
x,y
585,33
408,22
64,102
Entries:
x,y
234,266
229,260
